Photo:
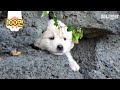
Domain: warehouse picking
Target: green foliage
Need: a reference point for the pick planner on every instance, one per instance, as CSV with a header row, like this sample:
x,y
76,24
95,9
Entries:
x,y
70,28
76,33
56,21
44,13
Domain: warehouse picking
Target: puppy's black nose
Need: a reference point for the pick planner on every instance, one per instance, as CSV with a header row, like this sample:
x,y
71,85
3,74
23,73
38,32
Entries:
x,y
60,47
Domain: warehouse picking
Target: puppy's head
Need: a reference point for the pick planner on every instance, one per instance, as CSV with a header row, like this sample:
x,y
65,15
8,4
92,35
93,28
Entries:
x,y
56,40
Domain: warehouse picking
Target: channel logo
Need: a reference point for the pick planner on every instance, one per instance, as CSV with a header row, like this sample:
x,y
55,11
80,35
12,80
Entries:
x,y
14,20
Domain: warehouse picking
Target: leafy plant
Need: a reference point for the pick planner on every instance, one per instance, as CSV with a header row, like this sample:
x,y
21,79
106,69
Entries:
x,y
70,28
44,13
56,21
76,33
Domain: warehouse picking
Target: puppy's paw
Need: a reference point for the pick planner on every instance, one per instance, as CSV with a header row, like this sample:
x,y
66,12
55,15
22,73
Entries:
x,y
74,66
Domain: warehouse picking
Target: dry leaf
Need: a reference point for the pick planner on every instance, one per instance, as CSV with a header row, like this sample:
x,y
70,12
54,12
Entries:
x,y
15,52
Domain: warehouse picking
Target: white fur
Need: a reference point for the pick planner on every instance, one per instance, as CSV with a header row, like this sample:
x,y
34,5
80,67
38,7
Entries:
x,y
59,34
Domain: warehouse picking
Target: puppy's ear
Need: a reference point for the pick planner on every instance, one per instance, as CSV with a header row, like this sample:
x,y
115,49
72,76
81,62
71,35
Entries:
x,y
51,25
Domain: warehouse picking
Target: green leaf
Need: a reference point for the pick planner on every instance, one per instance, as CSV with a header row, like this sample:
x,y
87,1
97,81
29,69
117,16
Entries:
x,y
77,34
44,13
56,21
70,28
81,34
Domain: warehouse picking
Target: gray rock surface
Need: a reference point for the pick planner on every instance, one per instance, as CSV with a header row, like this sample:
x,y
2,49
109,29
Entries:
x,y
34,25
3,15
90,19
108,56
98,53
33,64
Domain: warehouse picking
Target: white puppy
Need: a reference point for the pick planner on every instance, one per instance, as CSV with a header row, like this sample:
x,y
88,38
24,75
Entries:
x,y
58,41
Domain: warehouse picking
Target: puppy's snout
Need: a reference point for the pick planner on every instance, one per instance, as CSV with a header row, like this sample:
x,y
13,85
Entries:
x,y
60,48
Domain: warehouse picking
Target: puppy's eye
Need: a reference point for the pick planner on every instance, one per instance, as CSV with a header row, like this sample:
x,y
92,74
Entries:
x,y
51,38
64,38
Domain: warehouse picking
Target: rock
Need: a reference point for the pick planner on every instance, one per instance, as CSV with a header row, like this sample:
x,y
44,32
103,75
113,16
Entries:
x,y
90,19
97,75
35,64
84,54
108,56
33,28
98,59
34,25
98,53
3,15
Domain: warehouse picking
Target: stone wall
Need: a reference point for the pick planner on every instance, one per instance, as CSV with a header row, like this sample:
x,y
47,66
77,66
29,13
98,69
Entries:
x,y
98,53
